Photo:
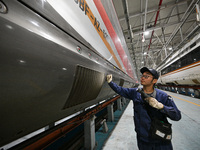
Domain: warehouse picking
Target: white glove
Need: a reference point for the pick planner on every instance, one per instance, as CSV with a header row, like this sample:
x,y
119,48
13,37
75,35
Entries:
x,y
109,78
154,103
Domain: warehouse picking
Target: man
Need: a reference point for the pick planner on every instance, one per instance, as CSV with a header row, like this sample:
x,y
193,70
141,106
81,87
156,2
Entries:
x,y
159,104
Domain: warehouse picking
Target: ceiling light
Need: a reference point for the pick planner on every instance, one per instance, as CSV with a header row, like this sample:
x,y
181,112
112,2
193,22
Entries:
x,y
143,39
146,33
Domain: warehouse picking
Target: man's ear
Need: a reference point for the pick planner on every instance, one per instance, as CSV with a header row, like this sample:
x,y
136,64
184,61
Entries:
x,y
155,80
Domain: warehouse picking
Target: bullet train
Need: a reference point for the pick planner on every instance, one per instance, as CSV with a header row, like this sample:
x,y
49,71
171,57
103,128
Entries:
x,y
55,56
182,74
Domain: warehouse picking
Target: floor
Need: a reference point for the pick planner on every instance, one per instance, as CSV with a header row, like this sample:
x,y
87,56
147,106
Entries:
x,y
186,132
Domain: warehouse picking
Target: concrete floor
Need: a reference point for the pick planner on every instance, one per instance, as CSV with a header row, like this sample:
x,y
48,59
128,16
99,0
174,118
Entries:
x,y
186,132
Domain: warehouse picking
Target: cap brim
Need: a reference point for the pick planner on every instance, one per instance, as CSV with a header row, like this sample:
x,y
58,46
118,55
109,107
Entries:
x,y
144,69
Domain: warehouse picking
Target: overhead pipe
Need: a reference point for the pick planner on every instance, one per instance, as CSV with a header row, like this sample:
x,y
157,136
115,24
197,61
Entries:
x,y
142,45
145,15
177,29
183,20
158,11
167,5
125,5
188,35
160,3
162,25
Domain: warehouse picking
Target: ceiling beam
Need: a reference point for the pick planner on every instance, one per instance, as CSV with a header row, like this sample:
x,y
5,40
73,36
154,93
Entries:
x,y
168,5
126,12
163,25
189,11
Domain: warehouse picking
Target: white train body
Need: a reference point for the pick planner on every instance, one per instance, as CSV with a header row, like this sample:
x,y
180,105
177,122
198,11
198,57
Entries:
x,y
98,24
54,58
188,75
181,73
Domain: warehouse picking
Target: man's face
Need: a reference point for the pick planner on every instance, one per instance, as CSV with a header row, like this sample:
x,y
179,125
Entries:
x,y
147,79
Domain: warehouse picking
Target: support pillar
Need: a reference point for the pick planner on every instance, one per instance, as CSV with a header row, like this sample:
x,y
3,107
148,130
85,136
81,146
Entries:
x,y
104,127
110,113
119,104
124,101
89,133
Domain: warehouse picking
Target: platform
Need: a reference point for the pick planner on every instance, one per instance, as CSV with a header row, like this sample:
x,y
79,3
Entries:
x,y
185,132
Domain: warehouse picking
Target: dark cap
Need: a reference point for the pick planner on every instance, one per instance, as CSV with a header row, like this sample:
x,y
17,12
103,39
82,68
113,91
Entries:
x,y
152,71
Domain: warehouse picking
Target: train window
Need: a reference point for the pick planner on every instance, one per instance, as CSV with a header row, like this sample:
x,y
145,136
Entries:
x,y
193,44
173,67
191,57
195,55
163,72
183,61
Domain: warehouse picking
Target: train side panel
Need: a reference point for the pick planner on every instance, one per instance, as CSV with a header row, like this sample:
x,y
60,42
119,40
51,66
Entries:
x,y
188,75
48,70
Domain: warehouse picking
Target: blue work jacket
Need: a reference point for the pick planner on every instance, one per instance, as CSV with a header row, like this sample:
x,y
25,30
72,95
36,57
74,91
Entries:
x,y
142,119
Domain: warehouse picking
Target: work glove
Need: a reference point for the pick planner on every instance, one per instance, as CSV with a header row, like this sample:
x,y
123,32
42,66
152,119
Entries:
x,y
109,78
154,103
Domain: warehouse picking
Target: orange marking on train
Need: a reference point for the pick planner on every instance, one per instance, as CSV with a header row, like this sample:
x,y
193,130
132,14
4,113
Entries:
x,y
183,68
99,31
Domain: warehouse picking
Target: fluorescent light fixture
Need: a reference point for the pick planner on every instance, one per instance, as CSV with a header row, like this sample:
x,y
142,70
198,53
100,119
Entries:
x,y
143,39
146,33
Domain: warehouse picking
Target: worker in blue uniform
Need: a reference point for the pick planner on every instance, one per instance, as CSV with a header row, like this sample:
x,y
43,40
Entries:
x,y
160,104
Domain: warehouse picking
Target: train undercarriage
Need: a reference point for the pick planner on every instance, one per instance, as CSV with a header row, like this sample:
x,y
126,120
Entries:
x,y
193,91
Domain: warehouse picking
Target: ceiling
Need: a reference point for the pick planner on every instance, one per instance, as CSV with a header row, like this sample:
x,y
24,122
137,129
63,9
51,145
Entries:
x,y
170,25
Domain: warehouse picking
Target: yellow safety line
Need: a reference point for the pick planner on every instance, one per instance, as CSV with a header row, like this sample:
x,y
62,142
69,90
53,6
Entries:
x,y
185,100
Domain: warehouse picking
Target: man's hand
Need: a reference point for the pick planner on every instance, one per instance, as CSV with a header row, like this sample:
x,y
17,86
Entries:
x,y
154,103
109,78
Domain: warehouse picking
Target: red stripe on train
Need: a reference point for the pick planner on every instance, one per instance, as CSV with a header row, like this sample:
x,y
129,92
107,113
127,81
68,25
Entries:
x,y
113,35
